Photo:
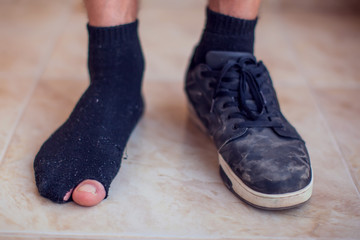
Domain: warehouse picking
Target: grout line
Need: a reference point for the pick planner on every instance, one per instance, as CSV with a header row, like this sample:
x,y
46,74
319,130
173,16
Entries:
x,y
49,51
321,114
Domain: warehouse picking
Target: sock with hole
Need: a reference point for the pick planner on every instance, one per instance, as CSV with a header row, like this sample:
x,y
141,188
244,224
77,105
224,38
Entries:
x,y
225,33
90,144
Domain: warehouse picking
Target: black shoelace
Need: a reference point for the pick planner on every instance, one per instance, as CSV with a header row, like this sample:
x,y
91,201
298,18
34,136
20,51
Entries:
x,y
242,81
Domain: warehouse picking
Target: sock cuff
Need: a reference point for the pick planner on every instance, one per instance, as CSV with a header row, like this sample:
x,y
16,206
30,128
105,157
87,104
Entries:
x,y
113,35
223,24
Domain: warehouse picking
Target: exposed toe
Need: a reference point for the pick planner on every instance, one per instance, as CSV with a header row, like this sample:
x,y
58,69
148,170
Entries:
x,y
68,195
89,193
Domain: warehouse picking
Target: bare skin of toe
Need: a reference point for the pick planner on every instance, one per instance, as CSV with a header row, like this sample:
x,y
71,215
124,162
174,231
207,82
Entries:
x,y
88,193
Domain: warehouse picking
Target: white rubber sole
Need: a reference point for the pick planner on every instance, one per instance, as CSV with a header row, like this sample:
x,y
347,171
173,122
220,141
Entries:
x,y
261,200
250,196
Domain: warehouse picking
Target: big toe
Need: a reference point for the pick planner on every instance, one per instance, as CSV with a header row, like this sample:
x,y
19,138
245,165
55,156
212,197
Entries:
x,y
89,193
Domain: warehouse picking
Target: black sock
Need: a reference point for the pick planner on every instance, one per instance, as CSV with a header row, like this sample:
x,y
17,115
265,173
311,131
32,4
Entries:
x,y
225,33
90,144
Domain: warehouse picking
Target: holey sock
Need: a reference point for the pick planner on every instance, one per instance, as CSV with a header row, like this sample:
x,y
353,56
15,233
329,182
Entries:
x,y
90,144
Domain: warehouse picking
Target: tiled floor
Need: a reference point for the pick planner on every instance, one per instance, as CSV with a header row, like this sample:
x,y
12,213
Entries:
x,y
169,186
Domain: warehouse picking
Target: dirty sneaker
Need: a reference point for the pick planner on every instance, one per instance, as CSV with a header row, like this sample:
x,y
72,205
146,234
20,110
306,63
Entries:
x,y
263,160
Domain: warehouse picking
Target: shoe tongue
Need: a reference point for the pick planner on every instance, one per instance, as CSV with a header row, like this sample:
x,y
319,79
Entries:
x,y
217,59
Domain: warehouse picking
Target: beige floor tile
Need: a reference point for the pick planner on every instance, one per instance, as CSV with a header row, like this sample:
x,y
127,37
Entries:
x,y
169,185
326,44
32,16
343,114
273,47
28,32
27,36
169,34
23,54
69,56
12,95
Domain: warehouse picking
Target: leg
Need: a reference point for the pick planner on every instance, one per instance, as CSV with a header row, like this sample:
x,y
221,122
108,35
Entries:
x,y
245,9
82,157
111,12
262,158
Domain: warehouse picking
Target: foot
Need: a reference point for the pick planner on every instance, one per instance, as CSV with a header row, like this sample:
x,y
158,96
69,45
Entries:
x,y
79,161
262,158
84,155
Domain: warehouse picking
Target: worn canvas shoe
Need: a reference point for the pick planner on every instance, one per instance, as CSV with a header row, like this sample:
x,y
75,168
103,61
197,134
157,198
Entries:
x,y
262,158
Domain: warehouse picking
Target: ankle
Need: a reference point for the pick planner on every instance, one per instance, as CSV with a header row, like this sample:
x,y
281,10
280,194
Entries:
x,y
225,33
115,55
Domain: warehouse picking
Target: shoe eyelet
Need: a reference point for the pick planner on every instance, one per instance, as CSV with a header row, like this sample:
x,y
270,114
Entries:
x,y
235,127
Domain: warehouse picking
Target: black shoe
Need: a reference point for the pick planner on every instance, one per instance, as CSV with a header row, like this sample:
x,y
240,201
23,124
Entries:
x,y
262,158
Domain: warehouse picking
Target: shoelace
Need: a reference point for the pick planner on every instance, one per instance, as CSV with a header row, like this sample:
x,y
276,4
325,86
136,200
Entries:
x,y
238,79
